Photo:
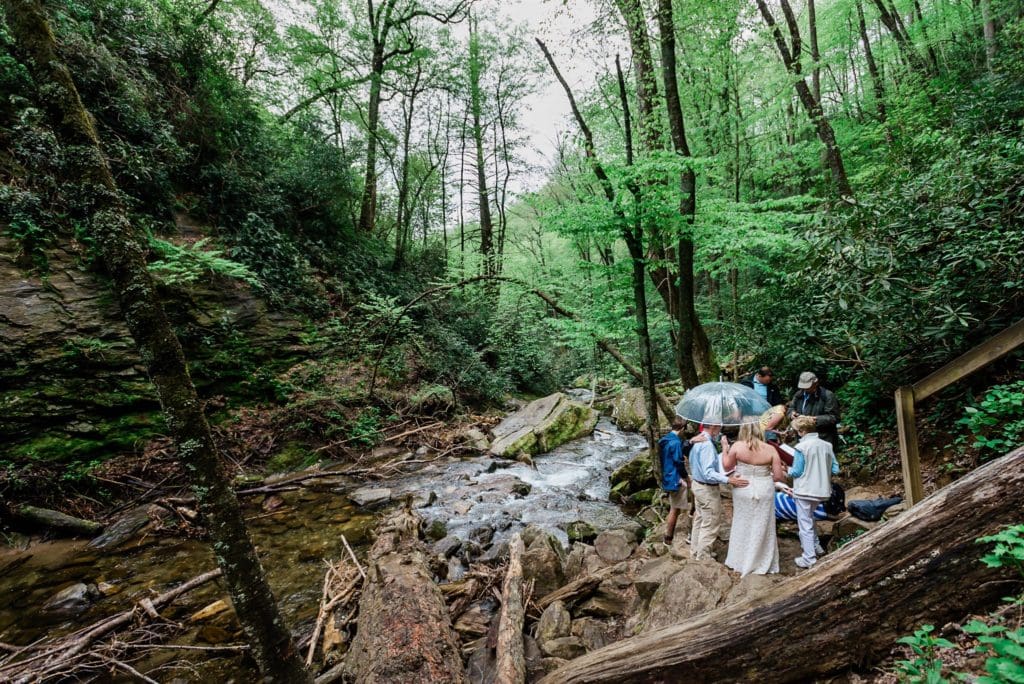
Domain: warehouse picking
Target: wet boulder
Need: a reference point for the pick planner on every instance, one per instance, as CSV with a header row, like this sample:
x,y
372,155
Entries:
x,y
635,475
72,600
580,531
629,410
541,426
370,497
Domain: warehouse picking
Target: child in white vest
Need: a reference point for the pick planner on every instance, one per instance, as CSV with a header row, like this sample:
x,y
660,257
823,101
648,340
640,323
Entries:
x,y
813,467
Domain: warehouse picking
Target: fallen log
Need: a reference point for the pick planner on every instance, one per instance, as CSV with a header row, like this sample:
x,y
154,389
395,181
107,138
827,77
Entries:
x,y
511,668
404,633
574,591
55,520
848,610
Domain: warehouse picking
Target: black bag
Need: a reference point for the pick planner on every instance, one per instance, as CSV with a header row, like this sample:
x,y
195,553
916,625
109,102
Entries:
x,y
836,503
871,510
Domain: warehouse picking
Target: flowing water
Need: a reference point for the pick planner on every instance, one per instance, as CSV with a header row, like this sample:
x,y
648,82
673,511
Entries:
x,y
567,484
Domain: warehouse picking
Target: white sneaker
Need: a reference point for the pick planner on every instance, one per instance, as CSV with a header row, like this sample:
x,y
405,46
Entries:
x,y
802,563
819,549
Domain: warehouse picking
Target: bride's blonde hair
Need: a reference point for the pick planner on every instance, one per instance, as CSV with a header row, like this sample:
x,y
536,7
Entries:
x,y
752,434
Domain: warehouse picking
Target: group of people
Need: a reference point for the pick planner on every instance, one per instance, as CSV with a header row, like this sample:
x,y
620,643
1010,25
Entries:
x,y
752,464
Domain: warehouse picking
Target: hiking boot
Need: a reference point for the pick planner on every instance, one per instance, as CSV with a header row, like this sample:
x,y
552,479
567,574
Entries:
x,y
801,562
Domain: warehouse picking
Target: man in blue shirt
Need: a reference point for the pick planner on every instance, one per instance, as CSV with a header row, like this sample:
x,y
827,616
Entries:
x,y
706,467
674,481
762,382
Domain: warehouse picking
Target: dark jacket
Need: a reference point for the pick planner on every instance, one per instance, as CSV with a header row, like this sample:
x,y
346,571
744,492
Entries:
x,y
824,406
774,395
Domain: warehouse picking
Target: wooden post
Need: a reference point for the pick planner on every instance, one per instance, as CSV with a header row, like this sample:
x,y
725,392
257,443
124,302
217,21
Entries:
x,y
909,456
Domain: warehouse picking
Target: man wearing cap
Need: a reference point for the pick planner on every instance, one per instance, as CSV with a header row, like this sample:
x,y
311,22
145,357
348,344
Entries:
x,y
813,400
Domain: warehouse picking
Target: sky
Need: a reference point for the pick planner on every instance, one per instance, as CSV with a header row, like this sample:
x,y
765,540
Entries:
x,y
562,25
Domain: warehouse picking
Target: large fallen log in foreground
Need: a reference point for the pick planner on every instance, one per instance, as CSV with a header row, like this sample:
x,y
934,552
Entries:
x,y
846,611
511,656
404,634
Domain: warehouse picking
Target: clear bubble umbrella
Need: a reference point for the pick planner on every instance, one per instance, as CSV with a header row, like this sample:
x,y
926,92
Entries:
x,y
722,403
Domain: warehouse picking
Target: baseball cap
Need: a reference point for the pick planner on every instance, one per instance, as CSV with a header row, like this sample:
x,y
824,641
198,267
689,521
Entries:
x,y
807,378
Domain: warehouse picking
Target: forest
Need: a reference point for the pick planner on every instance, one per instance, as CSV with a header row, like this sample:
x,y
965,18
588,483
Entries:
x,y
337,338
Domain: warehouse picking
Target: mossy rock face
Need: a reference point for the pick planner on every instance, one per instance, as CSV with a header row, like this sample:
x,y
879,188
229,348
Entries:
x,y
293,456
542,425
628,410
633,476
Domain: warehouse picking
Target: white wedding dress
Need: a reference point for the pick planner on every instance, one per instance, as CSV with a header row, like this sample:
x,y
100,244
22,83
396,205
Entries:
x,y
753,548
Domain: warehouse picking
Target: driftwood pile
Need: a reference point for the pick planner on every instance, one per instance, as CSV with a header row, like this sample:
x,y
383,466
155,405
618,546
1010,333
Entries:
x,y
110,645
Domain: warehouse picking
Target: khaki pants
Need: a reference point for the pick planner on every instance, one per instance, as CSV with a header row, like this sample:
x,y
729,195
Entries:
x,y
707,520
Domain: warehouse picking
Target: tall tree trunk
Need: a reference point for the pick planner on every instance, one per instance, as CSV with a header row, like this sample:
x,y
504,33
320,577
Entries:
x,y
634,242
368,202
933,59
878,85
687,313
791,58
989,32
894,24
476,106
125,263
812,31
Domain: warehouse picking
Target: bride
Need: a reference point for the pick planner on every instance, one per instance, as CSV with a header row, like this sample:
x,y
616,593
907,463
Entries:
x,y
752,544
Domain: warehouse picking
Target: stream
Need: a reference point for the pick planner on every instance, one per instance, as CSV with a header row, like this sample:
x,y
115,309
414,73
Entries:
x,y
570,483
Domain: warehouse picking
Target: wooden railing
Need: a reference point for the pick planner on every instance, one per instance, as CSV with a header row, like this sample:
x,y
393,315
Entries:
x,y
957,369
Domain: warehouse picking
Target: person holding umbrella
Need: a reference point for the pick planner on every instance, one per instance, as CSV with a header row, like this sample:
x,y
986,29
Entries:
x,y
713,405
706,464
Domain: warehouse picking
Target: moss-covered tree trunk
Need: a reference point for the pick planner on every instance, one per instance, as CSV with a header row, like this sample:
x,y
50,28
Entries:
x,y
124,259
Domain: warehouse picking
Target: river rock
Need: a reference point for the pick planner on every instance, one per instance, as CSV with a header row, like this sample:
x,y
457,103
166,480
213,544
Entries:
x,y
593,633
448,546
573,564
370,497
212,610
541,426
699,586
581,531
482,535
847,529
436,530
633,476
476,439
565,648
555,623
455,570
614,546
496,553
543,565
616,595
72,600
629,410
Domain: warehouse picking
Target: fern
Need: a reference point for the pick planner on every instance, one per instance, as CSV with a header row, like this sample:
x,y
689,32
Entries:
x,y
183,265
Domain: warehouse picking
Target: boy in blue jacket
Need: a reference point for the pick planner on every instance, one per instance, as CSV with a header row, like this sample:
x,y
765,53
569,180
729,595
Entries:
x,y
672,451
